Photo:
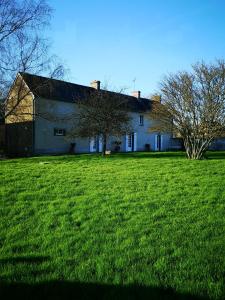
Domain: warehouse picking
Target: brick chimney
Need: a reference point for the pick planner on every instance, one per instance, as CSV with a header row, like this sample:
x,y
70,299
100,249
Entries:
x,y
156,98
136,94
96,84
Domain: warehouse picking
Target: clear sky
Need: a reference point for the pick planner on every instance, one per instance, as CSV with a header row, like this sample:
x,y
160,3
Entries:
x,y
120,40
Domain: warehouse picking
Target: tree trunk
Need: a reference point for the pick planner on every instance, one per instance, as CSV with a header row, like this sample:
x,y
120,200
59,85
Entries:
x,y
195,147
104,140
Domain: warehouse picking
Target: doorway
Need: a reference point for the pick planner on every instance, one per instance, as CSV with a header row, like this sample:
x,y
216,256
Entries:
x,y
158,142
131,142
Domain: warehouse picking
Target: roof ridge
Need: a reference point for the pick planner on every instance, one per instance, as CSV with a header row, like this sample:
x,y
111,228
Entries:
x,y
80,85
51,78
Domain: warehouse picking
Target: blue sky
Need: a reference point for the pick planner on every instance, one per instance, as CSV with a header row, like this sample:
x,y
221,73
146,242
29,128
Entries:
x,y
116,41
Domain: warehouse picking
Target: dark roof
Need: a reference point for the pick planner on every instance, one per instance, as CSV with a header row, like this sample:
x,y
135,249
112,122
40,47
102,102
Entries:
x,y
68,92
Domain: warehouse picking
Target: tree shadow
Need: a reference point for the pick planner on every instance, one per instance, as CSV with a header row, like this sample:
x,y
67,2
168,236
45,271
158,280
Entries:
x,y
215,155
62,158
209,155
149,155
24,259
76,290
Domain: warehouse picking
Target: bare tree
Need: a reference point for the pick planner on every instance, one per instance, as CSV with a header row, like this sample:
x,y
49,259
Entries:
x,y
193,106
101,114
32,57
22,15
23,48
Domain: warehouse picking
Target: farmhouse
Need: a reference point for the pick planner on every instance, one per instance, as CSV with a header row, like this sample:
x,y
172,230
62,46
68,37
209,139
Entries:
x,y
30,130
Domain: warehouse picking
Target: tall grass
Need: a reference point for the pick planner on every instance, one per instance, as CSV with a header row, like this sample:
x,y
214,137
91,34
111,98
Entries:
x,y
149,220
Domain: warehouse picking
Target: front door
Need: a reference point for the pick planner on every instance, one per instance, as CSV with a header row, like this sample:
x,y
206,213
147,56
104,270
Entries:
x,y
93,144
100,145
96,144
131,142
158,142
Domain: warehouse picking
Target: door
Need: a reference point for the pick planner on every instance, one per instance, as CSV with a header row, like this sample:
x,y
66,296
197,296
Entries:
x,y
100,144
93,144
131,142
158,142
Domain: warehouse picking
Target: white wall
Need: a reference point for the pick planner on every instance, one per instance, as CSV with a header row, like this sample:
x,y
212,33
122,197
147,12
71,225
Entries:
x,y
46,142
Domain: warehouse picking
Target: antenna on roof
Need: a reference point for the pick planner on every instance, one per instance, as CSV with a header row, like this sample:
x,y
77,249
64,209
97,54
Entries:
x,y
134,81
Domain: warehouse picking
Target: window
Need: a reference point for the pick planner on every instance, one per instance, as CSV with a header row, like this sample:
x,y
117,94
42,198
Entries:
x,y
95,143
129,142
141,120
59,132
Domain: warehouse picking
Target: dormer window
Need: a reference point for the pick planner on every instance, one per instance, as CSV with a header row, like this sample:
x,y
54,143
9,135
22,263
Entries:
x,y
141,120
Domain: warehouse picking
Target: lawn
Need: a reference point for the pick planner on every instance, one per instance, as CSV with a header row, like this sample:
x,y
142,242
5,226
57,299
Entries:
x,y
128,226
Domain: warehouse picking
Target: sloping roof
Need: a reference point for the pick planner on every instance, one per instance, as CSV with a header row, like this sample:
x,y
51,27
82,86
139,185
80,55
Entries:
x,y
68,92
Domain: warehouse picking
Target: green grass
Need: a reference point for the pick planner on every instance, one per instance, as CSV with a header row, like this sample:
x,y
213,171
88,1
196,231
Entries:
x,y
129,226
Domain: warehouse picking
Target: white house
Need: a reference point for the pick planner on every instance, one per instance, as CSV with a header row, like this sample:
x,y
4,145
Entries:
x,y
37,134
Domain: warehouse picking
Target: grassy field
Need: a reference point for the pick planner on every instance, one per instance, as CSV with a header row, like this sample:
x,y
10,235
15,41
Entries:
x,y
130,226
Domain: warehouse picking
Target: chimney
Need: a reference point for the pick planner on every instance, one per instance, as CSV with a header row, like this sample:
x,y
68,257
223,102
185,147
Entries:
x,y
156,98
136,94
96,84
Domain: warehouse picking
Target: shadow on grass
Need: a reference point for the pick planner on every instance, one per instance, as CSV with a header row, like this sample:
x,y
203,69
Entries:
x,y
75,290
153,155
215,155
24,259
162,155
57,290
52,159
